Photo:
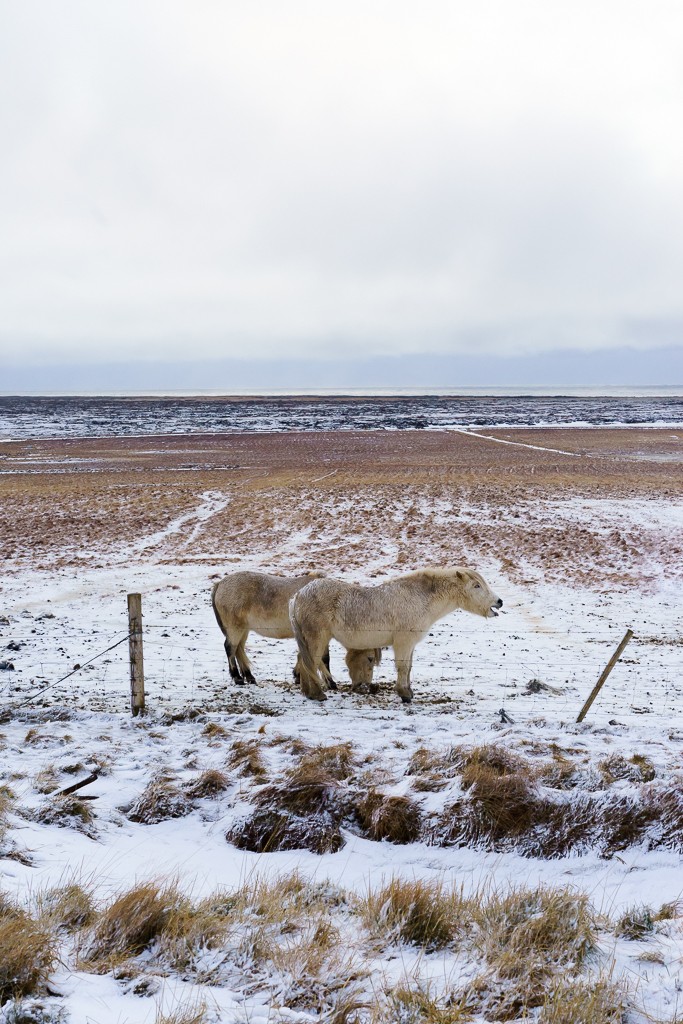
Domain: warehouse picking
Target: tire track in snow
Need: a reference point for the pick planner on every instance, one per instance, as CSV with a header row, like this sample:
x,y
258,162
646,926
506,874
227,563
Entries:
x,y
211,503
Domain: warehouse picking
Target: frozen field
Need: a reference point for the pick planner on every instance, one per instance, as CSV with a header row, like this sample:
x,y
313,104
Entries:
x,y
581,537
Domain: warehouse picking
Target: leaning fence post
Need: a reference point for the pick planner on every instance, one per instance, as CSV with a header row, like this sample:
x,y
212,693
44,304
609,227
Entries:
x,y
605,672
137,673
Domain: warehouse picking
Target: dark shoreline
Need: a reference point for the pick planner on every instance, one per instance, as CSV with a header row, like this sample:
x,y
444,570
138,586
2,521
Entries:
x,y
23,417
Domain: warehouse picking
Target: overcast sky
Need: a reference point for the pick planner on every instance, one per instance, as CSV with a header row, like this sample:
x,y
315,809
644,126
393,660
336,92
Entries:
x,y
227,180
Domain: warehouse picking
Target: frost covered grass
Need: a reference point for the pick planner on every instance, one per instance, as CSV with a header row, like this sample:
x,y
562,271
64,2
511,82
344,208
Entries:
x,y
313,947
318,948
424,914
28,952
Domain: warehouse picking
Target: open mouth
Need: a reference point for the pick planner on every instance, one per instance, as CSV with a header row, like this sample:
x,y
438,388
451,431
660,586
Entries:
x,y
493,612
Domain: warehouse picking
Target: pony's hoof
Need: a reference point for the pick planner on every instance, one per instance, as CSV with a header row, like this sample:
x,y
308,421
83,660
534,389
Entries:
x,y
250,679
406,700
333,685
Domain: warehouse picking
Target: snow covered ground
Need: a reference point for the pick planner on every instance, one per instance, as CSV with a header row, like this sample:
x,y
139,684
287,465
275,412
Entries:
x,y
553,633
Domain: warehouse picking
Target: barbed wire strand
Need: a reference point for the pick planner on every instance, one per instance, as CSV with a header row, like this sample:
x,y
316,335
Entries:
x,y
71,673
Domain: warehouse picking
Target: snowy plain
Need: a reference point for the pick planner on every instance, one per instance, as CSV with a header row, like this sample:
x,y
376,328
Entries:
x,y
465,672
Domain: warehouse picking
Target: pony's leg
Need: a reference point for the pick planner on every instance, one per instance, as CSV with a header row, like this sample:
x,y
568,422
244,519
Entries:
x,y
403,657
310,682
243,660
326,671
230,650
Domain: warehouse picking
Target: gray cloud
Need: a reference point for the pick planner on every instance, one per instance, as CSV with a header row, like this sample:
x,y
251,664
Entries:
x,y
321,181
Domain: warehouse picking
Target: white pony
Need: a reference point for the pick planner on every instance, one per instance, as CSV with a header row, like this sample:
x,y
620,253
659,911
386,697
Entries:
x,y
395,614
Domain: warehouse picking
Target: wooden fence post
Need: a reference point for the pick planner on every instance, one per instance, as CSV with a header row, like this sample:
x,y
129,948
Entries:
x,y
137,672
605,672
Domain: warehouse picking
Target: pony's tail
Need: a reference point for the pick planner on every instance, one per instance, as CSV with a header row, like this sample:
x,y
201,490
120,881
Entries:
x,y
215,609
309,670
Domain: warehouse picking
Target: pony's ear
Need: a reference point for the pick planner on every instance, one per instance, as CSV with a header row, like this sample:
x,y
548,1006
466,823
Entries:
x,y
460,575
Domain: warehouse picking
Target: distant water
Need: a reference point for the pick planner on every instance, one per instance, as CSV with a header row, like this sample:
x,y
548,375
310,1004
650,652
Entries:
x,y
116,416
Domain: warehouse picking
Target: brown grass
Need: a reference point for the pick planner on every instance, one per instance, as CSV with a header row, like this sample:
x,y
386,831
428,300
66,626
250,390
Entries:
x,y
635,923
336,761
531,932
67,812
191,1013
209,783
47,780
190,930
307,788
599,1002
246,758
506,808
27,953
424,914
268,830
636,769
132,921
159,801
6,800
394,818
432,771
69,906
417,1006
289,929
214,731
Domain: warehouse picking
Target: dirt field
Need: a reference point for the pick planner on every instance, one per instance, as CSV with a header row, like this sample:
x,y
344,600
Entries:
x,y
381,499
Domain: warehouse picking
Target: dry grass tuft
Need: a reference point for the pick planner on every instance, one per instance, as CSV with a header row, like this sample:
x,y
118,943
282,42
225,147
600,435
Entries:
x,y
670,911
600,1002
561,772
133,920
189,931
307,788
192,1013
268,830
209,783
395,818
68,906
27,952
528,933
336,760
6,800
159,801
635,923
246,758
348,1007
47,780
498,810
421,913
214,731
417,1006
34,1011
511,811
490,761
293,744
636,769
67,812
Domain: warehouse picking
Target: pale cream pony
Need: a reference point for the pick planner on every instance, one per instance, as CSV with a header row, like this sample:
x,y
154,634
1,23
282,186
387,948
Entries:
x,y
246,601
397,614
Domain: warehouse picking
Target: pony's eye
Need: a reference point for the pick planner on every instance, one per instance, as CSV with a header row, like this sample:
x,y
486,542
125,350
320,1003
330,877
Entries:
x,y
477,586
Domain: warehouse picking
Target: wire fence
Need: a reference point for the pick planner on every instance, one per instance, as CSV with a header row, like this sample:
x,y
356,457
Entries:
x,y
189,664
